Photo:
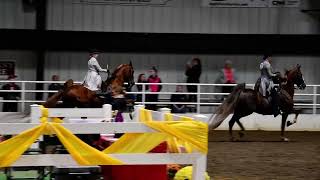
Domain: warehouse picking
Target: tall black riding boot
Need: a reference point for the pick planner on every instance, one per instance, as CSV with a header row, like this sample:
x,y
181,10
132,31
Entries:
x,y
275,102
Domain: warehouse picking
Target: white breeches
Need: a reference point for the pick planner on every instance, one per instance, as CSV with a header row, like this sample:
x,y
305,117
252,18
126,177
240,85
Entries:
x,y
92,81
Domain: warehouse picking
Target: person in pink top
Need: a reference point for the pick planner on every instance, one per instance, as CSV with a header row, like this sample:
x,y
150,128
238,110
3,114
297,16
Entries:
x,y
153,78
227,76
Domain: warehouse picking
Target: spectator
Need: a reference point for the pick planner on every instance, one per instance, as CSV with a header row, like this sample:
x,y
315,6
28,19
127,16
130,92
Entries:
x,y
54,86
178,108
153,78
226,76
141,79
10,106
119,101
193,73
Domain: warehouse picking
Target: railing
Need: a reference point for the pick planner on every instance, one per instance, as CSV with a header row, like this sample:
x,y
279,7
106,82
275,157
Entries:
x,y
199,94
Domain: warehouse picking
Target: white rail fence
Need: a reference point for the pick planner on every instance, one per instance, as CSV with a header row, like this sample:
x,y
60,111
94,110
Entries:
x,y
205,92
197,159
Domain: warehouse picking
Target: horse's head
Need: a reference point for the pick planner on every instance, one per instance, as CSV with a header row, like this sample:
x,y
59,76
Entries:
x,y
129,75
295,76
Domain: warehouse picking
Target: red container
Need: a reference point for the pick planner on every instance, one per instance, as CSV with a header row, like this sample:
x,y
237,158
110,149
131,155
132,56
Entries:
x,y
138,172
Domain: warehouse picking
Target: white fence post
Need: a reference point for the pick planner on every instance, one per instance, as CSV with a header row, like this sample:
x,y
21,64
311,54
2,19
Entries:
x,y
35,113
23,96
163,112
136,114
107,112
198,99
314,107
35,118
199,168
143,94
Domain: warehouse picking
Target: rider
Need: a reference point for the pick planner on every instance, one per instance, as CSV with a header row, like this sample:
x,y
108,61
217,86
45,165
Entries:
x,y
267,85
93,80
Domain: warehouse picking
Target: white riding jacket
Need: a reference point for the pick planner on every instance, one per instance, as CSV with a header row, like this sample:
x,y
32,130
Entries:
x,y
266,78
92,79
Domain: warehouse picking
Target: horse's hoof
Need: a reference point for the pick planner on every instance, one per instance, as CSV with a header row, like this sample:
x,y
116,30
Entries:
x,y
289,123
241,134
284,139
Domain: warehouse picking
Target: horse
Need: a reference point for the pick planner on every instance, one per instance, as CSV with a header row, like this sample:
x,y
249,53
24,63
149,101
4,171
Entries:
x,y
73,95
243,102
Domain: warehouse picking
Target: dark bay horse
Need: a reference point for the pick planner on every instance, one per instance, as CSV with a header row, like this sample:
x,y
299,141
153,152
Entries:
x,y
243,102
79,96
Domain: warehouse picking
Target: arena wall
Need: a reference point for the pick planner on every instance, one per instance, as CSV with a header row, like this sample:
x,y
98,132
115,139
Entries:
x,y
178,16
12,15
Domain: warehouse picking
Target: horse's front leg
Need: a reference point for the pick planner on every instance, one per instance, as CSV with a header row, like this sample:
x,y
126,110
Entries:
x,y
283,125
296,112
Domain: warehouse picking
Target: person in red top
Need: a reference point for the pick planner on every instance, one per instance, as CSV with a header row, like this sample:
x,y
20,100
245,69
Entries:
x,y
153,78
227,76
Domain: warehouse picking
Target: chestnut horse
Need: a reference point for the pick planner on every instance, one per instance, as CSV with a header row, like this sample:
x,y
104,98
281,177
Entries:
x,y
79,96
243,102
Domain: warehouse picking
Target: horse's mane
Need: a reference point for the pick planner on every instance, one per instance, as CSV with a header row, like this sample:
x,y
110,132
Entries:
x,y
114,74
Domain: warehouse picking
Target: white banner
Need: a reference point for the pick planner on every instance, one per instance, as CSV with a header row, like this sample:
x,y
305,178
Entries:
x,y
124,2
284,3
251,3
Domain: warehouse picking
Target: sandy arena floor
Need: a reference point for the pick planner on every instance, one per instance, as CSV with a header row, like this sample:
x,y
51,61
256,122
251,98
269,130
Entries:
x,y
261,155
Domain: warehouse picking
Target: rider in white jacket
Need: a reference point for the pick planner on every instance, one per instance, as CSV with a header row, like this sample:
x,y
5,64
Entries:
x,y
93,80
267,85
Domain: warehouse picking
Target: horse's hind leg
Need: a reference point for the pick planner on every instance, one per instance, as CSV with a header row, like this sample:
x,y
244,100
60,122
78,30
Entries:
x,y
241,133
231,123
296,112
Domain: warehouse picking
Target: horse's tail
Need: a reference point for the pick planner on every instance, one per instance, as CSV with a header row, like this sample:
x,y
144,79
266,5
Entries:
x,y
52,101
68,84
227,107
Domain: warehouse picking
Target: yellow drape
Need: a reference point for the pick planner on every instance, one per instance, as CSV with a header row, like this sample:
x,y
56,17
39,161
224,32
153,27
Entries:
x,y
83,154
192,134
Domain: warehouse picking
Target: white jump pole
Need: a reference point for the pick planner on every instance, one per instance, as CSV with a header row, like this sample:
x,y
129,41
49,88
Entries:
x,y
163,112
107,112
35,118
35,113
201,117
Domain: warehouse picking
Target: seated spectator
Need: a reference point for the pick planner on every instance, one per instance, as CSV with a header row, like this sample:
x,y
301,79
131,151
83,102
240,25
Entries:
x,y
119,101
178,108
54,86
10,106
141,79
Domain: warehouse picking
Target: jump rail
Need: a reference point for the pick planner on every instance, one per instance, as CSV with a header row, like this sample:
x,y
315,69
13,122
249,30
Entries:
x,y
197,160
313,95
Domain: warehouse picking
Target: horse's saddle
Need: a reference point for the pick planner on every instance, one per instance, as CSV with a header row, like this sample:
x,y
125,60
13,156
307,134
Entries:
x,y
258,90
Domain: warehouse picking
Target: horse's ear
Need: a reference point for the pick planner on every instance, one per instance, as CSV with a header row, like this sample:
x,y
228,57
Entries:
x,y
298,66
130,63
